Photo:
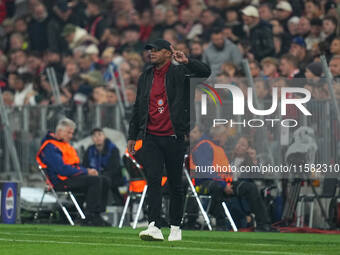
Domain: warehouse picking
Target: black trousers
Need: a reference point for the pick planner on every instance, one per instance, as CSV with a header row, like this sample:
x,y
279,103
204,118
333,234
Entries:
x,y
95,189
244,190
159,152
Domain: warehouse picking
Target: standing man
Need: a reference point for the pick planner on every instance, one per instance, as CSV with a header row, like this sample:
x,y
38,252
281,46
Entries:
x,y
161,118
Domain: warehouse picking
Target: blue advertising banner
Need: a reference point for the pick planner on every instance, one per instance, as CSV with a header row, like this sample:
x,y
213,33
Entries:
x,y
9,202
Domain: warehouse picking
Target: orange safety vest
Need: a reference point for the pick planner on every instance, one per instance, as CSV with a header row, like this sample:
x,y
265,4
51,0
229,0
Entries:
x,y
219,159
69,155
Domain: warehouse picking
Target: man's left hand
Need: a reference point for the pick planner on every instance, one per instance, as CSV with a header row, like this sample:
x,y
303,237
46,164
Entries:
x,y
179,56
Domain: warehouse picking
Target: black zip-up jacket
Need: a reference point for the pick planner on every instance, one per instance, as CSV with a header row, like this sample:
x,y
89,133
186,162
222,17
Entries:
x,y
177,86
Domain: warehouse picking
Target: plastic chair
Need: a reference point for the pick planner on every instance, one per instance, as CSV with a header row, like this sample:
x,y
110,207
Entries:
x,y
50,189
137,186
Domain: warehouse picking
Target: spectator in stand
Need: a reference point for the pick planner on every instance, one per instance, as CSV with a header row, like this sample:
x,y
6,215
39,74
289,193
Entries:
x,y
262,90
266,12
99,95
221,50
77,37
35,64
196,50
335,46
17,42
260,34
71,70
111,96
146,25
280,35
188,27
315,85
97,25
314,37
130,93
171,19
255,68
289,67
283,11
37,28
211,21
131,42
334,66
304,26
270,67
8,28
8,98
158,22
329,26
312,9
23,88
293,26
298,49
233,29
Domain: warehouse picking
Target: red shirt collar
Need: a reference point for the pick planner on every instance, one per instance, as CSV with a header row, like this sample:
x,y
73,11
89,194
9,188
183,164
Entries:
x,y
163,69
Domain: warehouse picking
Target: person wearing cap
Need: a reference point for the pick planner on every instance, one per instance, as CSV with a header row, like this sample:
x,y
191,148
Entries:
x,y
283,12
77,36
315,85
298,49
260,34
161,116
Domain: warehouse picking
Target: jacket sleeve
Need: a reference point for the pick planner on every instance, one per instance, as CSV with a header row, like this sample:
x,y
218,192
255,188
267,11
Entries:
x,y
134,122
197,69
86,161
52,157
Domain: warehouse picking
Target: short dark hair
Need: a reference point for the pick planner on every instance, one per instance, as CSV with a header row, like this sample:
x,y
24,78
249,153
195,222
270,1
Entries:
x,y
331,19
95,130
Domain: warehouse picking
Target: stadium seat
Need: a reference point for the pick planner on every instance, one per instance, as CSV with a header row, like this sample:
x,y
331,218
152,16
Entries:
x,y
50,189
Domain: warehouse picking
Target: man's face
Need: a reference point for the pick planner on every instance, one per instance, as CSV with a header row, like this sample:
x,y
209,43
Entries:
x,y
269,69
196,49
159,56
218,41
65,134
254,70
241,147
98,138
207,18
304,26
296,50
265,13
247,20
334,66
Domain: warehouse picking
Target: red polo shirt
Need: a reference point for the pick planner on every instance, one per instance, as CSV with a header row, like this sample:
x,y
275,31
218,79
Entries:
x,y
159,122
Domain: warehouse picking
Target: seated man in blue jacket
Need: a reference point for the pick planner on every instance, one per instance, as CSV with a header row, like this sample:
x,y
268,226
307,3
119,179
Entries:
x,y
61,162
104,156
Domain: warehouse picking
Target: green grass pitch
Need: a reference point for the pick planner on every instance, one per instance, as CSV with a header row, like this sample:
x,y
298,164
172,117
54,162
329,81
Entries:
x,y
64,240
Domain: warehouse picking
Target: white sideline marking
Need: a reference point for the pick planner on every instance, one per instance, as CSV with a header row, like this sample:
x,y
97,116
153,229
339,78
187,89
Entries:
x,y
129,238
149,246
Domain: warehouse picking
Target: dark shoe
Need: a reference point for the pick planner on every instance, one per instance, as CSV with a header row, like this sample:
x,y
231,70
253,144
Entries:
x,y
265,228
95,220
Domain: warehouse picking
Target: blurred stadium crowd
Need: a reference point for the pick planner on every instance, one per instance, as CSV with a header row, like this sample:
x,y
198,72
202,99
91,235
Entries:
x,y
80,38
